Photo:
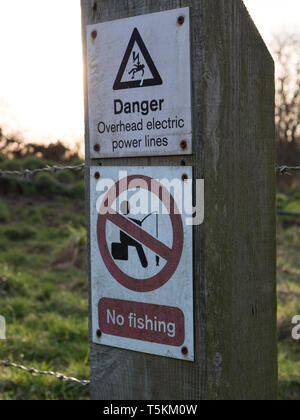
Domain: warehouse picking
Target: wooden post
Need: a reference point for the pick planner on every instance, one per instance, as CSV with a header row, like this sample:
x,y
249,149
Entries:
x,y
234,251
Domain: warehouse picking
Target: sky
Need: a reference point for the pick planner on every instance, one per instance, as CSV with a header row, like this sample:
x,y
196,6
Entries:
x,y
41,69
41,89
274,16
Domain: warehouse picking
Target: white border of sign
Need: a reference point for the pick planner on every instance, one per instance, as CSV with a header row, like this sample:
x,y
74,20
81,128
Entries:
x,y
176,293
167,43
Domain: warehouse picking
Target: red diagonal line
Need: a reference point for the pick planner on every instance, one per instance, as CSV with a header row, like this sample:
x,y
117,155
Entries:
x,y
140,235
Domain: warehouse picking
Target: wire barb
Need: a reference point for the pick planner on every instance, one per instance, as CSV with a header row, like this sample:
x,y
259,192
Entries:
x,y
33,371
285,170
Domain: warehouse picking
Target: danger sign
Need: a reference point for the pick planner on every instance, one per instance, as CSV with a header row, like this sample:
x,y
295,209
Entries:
x,y
137,60
139,85
141,255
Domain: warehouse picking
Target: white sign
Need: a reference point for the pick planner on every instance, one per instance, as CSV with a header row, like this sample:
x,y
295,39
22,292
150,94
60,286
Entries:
x,y
139,86
142,259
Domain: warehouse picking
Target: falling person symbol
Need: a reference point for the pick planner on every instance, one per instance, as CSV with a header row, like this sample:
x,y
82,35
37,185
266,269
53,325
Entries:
x,y
137,67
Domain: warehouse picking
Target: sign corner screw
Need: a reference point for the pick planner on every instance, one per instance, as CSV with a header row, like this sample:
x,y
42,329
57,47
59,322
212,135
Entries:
x,y
183,144
97,148
184,351
94,35
180,20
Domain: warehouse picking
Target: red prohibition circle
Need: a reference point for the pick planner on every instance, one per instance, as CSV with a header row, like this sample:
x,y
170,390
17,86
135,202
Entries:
x,y
174,254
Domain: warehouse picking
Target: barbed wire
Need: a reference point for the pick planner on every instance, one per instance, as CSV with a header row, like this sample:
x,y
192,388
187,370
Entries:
x,y
25,173
285,170
56,375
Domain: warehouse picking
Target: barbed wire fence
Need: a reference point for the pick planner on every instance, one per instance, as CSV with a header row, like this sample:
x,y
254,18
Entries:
x,y
33,371
26,175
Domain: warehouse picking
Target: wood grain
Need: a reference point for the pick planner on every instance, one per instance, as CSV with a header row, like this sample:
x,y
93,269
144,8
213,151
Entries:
x,y
234,251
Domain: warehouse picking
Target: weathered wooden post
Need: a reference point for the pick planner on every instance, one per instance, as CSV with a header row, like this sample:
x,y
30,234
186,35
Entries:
x,y
232,149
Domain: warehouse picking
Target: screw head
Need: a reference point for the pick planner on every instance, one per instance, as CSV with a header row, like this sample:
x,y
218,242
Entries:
x,y
184,351
97,175
94,35
97,148
183,144
218,359
180,20
184,177
99,333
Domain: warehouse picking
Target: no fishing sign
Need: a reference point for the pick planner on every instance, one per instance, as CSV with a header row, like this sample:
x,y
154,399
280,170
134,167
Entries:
x,y
139,86
141,260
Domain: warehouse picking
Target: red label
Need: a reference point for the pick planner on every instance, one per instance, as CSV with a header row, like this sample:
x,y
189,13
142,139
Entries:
x,y
142,321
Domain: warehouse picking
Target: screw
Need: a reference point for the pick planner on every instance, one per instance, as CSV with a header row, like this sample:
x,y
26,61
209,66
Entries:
x,y
97,148
218,359
99,334
183,144
184,351
182,163
94,35
184,177
95,7
180,20
97,175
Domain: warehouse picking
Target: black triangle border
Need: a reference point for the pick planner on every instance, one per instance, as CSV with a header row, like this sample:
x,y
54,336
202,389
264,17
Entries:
x,y
156,81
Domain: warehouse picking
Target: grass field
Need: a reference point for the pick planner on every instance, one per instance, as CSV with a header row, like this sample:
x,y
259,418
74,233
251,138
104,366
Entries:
x,y
44,290
43,295
288,280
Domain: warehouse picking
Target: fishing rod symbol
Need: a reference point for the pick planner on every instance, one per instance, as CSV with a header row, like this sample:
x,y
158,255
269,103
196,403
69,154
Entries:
x,y
119,250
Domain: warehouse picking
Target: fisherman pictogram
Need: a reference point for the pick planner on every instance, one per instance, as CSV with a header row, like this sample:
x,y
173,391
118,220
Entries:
x,y
119,250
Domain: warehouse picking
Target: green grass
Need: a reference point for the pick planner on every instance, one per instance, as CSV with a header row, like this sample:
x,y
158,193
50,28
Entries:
x,y
44,296
288,280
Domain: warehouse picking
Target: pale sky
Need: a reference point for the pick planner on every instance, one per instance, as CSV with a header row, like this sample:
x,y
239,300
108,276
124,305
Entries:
x,y
41,67
273,16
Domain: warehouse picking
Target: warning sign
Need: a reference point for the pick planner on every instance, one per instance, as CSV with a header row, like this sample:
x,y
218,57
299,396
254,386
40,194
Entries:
x,y
139,86
141,248
137,68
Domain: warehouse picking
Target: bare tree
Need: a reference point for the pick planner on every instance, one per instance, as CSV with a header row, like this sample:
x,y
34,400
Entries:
x,y
287,113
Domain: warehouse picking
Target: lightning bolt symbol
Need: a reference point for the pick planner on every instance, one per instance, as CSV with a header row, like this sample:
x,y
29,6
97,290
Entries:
x,y
136,57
